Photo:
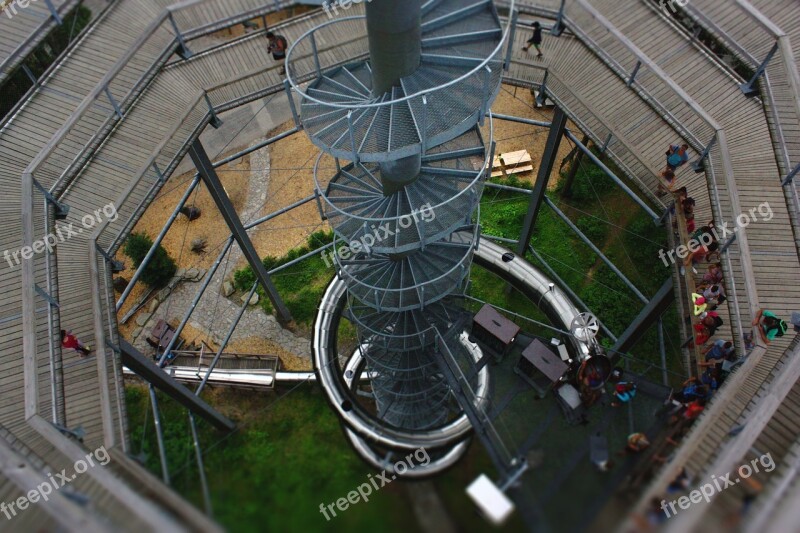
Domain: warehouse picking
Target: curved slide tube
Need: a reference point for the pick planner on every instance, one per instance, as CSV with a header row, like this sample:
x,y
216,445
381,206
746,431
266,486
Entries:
x,y
489,255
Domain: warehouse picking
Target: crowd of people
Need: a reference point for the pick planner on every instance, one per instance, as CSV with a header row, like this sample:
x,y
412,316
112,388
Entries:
x,y
717,355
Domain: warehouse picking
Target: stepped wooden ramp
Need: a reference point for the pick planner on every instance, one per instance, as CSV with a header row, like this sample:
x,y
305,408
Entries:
x,y
763,390
61,123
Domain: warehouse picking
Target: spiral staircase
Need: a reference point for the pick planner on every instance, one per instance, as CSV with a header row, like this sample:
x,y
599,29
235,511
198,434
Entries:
x,y
404,248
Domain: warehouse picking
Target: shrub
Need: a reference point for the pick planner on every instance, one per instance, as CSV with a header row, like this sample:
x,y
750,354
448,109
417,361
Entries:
x,y
594,229
161,267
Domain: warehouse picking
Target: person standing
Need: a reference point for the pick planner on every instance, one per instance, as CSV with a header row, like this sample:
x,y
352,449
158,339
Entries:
x,y
277,47
677,156
536,39
769,325
68,340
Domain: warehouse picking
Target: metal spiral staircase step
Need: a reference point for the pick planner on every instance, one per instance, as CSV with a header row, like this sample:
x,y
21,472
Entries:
x,y
456,36
403,331
387,282
418,398
442,199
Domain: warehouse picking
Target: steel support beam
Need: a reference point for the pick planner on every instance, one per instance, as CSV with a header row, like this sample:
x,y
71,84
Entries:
x,y
545,169
157,377
596,160
211,179
558,27
566,190
151,252
595,249
522,120
162,450
651,314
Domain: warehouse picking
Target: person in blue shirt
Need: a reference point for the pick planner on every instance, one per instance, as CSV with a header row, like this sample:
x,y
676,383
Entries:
x,y
677,156
623,393
721,349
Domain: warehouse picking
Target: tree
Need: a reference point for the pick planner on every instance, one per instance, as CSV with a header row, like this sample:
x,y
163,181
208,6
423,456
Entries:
x,y
161,267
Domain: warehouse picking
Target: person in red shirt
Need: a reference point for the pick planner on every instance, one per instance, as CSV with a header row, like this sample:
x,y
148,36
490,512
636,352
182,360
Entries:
x,y
694,409
68,340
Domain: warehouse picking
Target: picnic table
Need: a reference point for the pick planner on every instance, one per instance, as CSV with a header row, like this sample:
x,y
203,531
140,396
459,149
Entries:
x,y
518,162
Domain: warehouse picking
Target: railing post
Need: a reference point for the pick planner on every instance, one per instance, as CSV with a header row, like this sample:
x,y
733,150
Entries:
x,y
604,148
633,73
54,12
215,121
542,96
31,76
159,174
791,175
699,165
487,79
316,55
424,124
352,134
319,204
749,88
113,101
727,244
288,88
558,27
183,50
61,209
511,35
116,266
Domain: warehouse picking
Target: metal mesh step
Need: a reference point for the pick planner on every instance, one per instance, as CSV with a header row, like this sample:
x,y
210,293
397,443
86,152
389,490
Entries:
x,y
387,282
443,198
404,331
343,119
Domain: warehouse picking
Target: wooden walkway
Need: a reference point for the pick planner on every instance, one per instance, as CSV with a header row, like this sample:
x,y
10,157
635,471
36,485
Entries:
x,y
682,92
64,122
22,29
772,253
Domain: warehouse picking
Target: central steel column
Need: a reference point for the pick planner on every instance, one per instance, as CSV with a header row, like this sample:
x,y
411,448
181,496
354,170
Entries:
x,y
395,48
395,41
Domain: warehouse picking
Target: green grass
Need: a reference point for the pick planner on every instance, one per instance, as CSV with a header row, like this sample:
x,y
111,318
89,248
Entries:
x,y
616,225
301,286
288,456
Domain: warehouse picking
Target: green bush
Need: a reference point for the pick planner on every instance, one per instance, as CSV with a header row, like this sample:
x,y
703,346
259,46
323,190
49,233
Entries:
x,y
161,267
300,285
595,230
